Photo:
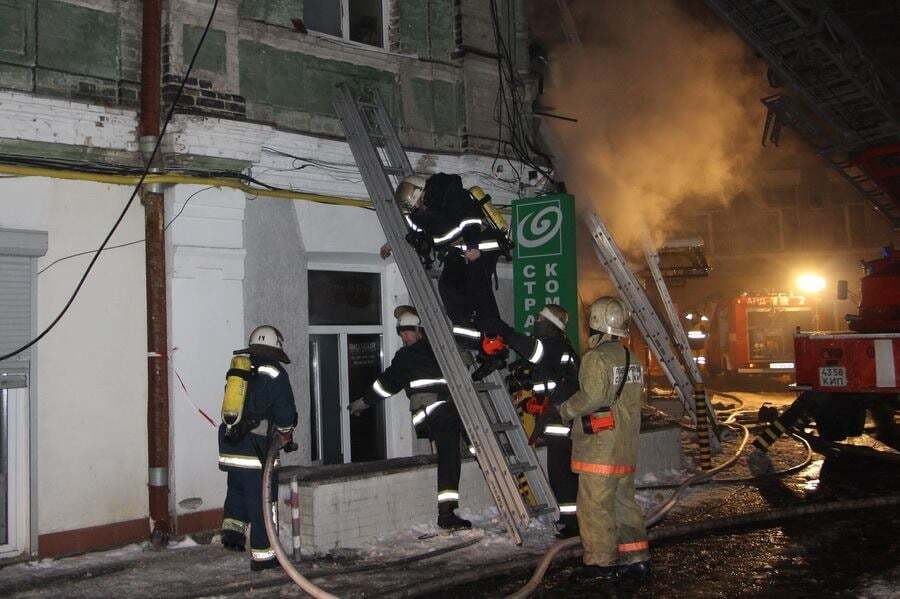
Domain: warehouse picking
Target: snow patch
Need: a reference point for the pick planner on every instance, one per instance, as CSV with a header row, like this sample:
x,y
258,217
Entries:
x,y
183,543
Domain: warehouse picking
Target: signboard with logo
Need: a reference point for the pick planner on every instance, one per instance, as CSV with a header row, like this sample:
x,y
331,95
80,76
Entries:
x,y
544,262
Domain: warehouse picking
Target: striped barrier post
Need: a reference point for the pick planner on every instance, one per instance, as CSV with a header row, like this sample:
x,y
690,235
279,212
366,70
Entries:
x,y
702,427
295,518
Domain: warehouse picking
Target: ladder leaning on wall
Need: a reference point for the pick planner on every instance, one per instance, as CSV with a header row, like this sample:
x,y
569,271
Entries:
x,y
684,377
510,466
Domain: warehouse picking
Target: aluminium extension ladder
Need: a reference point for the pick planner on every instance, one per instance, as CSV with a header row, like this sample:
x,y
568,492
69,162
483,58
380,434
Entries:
x,y
510,466
655,333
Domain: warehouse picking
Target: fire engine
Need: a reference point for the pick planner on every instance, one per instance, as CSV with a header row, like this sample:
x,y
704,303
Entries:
x,y
753,332
841,375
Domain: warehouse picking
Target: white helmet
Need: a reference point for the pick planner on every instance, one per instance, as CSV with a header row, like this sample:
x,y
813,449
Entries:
x,y
268,342
407,318
410,191
609,315
555,314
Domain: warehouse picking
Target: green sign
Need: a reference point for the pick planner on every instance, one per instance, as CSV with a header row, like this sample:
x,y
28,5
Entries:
x,y
544,264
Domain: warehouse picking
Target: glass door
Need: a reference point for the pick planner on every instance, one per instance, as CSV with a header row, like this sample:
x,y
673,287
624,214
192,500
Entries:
x,y
13,464
363,367
326,401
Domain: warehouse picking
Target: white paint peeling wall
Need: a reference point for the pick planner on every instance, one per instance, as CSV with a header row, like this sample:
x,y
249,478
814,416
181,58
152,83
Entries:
x,y
205,273
31,118
92,368
253,143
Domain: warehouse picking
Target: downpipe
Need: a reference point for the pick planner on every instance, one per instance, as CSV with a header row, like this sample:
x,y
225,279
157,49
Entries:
x,y
155,277
275,444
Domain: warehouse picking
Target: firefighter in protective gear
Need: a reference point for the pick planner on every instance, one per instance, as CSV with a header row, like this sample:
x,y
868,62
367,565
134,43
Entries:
x,y
605,416
415,370
553,378
446,218
268,407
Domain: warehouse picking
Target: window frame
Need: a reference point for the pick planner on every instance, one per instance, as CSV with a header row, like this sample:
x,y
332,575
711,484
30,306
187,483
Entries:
x,y
345,28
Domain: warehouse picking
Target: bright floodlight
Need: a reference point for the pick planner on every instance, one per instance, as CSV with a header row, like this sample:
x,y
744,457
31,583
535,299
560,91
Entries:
x,y
696,335
810,283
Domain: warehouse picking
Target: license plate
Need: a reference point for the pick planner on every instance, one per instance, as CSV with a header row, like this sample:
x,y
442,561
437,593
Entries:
x,y
832,376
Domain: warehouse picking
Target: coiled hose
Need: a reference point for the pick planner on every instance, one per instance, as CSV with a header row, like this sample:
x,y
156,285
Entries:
x,y
283,559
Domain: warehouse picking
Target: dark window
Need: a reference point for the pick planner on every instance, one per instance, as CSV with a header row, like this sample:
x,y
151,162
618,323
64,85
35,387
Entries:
x,y
344,298
365,22
323,16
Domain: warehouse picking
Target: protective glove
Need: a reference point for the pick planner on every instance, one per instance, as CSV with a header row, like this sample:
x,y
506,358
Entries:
x,y
287,442
420,242
358,406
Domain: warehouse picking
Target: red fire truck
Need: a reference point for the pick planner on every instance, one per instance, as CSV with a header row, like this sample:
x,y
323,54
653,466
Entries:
x,y
753,333
842,375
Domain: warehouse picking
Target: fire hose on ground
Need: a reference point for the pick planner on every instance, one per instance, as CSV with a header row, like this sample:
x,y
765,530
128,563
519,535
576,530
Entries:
x,y
692,528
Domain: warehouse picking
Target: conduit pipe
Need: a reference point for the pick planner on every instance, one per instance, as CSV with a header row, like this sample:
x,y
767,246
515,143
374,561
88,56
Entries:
x,y
155,277
162,178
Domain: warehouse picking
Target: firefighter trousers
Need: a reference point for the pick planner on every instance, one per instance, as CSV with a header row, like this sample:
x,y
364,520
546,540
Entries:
x,y
563,481
468,295
444,428
610,520
243,503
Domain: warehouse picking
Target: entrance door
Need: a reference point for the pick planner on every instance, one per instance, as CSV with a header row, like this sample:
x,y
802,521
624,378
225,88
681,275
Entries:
x,y
13,465
342,367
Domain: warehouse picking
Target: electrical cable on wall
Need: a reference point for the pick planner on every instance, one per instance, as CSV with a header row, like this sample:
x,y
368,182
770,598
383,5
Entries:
x,y
122,245
134,193
519,141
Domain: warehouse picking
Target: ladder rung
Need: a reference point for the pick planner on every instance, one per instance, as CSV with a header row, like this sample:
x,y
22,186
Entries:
x,y
393,170
482,386
521,468
501,427
541,510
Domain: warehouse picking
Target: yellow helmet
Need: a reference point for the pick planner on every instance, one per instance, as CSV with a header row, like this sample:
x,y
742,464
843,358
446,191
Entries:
x,y
609,315
409,192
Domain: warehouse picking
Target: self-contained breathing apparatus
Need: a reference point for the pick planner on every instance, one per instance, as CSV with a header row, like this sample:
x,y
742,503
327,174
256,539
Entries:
x,y
238,422
492,218
236,380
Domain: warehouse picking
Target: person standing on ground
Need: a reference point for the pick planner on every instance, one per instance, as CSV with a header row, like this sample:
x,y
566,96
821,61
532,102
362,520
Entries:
x,y
268,406
606,419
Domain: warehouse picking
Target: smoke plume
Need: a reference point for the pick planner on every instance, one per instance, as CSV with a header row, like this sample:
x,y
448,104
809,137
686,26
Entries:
x,y
667,108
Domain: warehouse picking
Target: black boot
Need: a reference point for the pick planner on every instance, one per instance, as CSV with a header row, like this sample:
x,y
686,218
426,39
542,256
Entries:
x,y
488,364
266,564
602,573
637,570
233,540
447,518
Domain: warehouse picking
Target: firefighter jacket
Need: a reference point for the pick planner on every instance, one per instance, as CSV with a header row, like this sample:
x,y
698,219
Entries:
x,y
415,370
555,376
614,450
555,368
451,217
269,403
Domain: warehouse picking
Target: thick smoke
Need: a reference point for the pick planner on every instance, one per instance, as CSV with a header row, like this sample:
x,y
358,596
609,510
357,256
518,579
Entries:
x,y
667,108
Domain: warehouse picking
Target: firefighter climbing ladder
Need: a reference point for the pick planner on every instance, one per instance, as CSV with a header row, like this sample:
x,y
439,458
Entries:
x,y
485,409
647,320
